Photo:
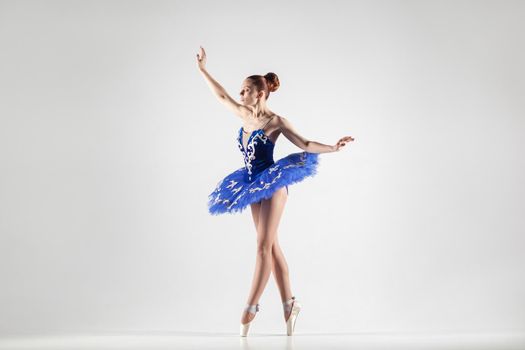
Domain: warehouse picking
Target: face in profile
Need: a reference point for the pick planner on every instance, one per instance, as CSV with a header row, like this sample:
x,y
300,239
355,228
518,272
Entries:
x,y
248,93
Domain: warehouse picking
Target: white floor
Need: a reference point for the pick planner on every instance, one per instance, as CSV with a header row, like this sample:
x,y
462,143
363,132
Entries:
x,y
186,340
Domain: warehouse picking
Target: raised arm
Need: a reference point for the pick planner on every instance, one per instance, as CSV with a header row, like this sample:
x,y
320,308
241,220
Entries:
x,y
219,92
308,145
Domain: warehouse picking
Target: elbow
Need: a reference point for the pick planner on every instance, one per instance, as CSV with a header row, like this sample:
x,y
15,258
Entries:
x,y
221,98
222,95
306,146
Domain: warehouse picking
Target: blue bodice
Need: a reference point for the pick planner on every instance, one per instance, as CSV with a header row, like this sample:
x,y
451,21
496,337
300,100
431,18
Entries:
x,y
261,176
258,154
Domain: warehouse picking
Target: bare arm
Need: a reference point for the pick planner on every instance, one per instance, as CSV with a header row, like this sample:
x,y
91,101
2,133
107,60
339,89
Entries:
x,y
308,145
219,92
215,87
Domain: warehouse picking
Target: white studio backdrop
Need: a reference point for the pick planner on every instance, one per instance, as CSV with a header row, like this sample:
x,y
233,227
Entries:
x,y
111,141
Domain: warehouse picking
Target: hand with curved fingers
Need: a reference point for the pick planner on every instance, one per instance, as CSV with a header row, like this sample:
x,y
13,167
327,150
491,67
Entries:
x,y
342,142
201,59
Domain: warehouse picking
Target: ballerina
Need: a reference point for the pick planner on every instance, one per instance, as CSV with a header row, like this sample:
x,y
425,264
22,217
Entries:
x,y
262,183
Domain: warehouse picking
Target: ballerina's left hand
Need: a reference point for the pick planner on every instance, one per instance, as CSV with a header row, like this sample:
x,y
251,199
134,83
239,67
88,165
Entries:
x,y
342,142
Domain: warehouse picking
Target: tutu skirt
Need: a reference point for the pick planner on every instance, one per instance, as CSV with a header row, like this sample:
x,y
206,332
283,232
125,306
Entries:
x,y
233,193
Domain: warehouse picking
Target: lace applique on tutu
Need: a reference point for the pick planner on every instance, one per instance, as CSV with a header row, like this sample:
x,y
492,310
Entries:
x,y
261,176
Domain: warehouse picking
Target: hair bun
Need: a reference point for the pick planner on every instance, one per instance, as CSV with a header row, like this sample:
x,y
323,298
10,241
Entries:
x,y
272,80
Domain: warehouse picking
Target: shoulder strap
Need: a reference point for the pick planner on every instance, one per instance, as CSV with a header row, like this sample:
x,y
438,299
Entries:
x,y
268,121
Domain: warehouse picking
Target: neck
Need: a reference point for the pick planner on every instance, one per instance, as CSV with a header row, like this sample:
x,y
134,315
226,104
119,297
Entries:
x,y
260,109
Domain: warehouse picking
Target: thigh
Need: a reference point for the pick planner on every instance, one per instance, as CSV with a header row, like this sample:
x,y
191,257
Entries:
x,y
256,209
269,217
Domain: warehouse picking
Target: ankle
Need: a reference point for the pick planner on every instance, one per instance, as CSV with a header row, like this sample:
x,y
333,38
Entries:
x,y
252,309
287,304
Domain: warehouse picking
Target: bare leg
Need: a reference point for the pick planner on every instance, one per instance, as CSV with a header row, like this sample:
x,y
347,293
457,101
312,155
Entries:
x,y
269,215
280,272
282,278
279,264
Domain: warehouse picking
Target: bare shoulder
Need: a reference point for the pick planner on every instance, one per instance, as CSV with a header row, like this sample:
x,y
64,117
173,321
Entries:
x,y
289,131
281,122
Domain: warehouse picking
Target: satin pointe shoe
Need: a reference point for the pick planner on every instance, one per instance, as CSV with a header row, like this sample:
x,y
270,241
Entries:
x,y
253,309
293,306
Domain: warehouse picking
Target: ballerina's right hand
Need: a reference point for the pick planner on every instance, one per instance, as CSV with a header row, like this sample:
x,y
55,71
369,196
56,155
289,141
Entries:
x,y
201,61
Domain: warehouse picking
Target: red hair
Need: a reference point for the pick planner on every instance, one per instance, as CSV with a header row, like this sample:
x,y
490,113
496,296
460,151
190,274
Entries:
x,y
267,83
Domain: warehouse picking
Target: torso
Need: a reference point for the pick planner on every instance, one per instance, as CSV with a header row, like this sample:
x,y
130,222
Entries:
x,y
270,129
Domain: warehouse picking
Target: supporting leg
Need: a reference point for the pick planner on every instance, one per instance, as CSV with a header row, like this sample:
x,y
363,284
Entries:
x,y
269,216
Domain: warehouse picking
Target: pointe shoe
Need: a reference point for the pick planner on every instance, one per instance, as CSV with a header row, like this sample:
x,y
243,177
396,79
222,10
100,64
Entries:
x,y
295,307
253,309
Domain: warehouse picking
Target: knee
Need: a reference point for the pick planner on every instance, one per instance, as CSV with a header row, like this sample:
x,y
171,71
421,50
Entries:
x,y
264,248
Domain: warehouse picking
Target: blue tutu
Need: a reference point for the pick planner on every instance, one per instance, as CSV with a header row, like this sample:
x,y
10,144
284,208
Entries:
x,y
261,176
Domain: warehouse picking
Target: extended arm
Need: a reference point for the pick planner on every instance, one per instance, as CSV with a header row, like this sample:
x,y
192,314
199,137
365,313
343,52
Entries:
x,y
215,87
307,145
219,92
